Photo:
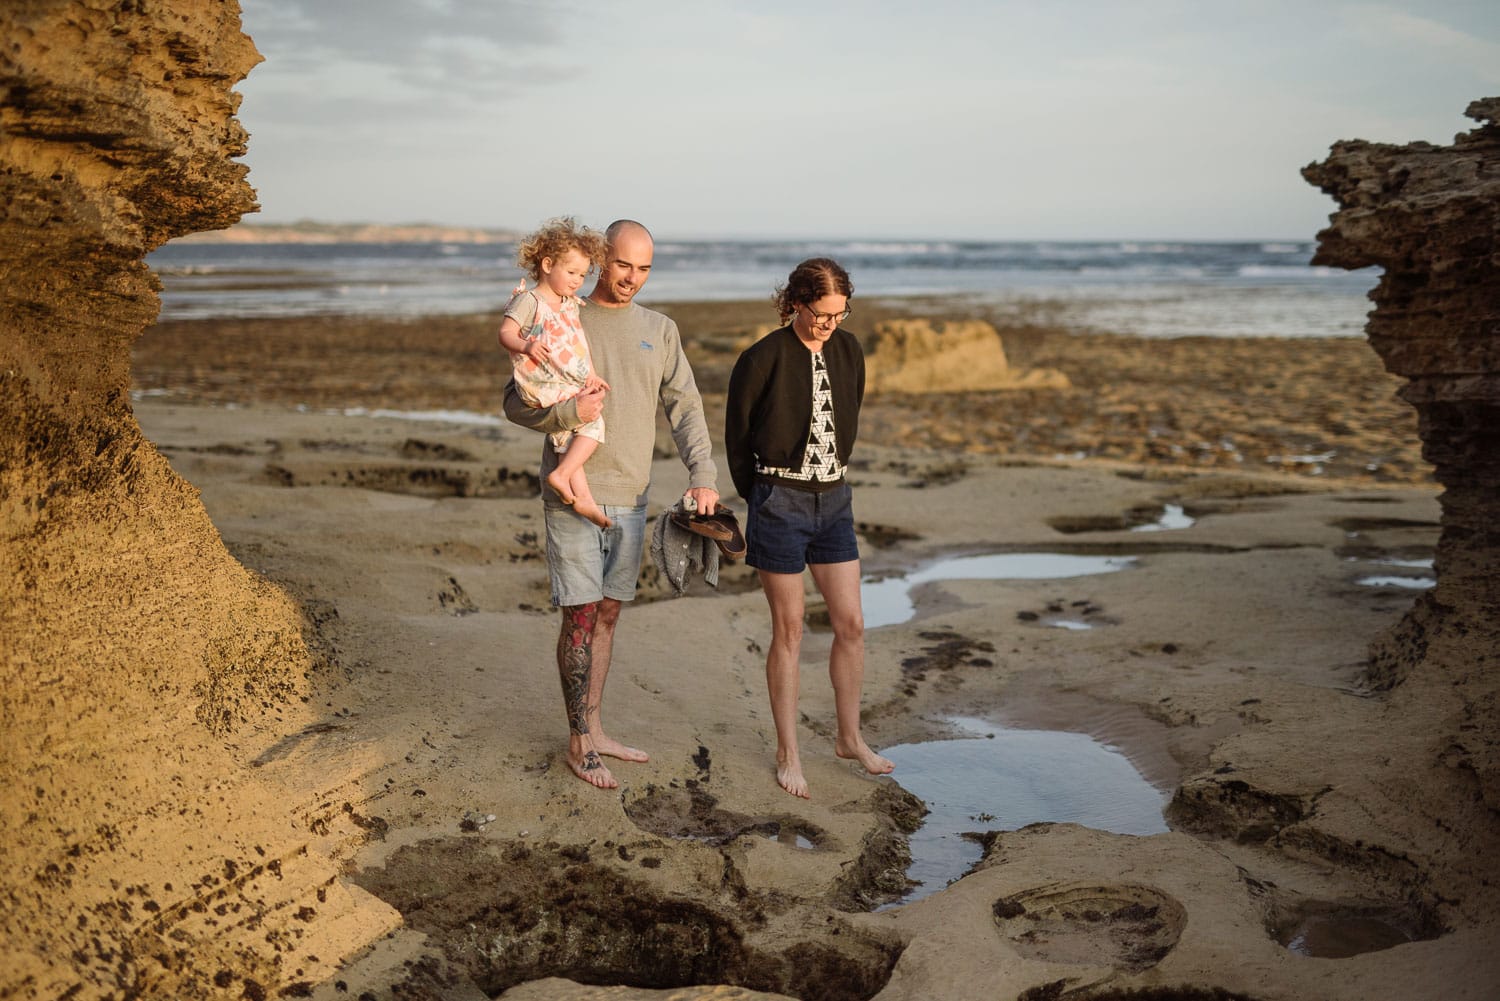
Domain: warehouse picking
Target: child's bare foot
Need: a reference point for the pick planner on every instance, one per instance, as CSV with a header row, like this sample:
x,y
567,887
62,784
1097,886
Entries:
x,y
858,750
560,484
587,765
593,512
615,749
789,777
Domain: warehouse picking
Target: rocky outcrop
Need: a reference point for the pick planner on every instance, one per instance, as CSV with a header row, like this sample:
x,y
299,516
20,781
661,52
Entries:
x,y
1430,217
936,356
127,631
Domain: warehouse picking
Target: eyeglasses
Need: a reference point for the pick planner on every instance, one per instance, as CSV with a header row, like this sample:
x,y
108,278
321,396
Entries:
x,y
823,319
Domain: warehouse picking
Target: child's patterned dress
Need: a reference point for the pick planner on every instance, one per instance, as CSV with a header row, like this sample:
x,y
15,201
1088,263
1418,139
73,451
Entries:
x,y
542,384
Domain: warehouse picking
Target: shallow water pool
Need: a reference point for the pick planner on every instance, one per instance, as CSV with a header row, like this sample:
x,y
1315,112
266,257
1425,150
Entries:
x,y
1341,936
1389,580
1001,779
888,602
1173,518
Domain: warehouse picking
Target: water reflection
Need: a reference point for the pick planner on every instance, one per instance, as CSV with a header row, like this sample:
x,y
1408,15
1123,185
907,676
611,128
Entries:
x,y
1341,936
1002,779
1410,583
1172,518
887,602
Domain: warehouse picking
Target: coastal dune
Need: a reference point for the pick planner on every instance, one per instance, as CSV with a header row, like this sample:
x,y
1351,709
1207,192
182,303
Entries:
x,y
279,709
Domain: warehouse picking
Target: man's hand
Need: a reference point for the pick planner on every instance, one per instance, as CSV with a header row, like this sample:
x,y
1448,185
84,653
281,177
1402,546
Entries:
x,y
591,403
706,499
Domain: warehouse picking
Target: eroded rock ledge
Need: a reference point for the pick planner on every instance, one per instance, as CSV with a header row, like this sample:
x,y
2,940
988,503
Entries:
x,y
1430,217
125,622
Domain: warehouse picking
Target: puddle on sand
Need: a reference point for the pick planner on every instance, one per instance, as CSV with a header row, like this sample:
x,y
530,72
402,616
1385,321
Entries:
x,y
1386,580
1002,779
1172,518
888,602
1396,580
1341,937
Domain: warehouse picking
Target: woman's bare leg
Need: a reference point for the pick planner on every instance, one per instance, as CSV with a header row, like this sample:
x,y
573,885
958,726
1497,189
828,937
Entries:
x,y
839,585
783,669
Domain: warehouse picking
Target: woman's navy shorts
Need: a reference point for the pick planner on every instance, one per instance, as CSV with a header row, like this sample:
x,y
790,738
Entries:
x,y
788,528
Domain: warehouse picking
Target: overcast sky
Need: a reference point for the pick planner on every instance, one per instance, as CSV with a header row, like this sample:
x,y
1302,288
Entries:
x,y
1153,119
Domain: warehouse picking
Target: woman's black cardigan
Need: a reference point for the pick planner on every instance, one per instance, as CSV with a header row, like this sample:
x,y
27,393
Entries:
x,y
769,410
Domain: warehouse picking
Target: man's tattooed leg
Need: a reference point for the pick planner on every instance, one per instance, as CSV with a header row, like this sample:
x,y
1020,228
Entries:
x,y
575,660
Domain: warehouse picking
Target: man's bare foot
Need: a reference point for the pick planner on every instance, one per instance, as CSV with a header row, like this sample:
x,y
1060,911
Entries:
x,y
559,483
590,767
789,777
614,749
593,512
858,750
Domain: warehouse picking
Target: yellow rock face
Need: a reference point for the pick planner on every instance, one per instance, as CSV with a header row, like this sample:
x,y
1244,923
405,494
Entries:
x,y
927,356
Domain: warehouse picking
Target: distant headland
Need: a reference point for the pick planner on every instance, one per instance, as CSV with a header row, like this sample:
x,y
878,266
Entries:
x,y
307,231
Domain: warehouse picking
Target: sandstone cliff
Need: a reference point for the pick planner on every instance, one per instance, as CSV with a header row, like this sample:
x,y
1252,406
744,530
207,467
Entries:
x,y
129,633
1430,217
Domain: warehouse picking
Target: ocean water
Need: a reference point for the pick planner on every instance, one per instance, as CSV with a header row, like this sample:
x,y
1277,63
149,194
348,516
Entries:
x,y
1153,289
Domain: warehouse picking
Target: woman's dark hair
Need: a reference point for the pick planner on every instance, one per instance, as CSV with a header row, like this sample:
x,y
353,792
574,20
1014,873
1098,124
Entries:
x,y
810,281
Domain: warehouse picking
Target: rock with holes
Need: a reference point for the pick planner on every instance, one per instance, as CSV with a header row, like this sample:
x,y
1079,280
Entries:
x,y
1429,217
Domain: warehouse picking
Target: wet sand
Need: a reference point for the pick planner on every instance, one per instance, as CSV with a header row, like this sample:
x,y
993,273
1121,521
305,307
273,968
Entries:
x,y
1237,644
1317,407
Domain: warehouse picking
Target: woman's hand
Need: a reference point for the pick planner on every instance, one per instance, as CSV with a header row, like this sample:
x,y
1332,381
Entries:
x,y
594,384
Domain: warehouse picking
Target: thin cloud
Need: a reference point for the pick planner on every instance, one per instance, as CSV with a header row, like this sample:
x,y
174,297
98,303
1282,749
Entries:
x,y
461,50
846,116
1443,42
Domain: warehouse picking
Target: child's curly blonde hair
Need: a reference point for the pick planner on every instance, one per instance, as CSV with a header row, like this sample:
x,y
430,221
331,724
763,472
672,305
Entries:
x,y
556,238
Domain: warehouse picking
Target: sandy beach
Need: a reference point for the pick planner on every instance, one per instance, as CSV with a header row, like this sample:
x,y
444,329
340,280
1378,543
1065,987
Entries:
x,y
1323,407
357,465
1189,658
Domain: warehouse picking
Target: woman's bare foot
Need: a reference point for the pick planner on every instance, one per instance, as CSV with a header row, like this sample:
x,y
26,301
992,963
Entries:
x,y
615,749
559,483
789,777
858,750
584,759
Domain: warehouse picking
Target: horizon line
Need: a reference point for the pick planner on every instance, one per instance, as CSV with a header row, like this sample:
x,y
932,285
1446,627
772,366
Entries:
x,y
314,224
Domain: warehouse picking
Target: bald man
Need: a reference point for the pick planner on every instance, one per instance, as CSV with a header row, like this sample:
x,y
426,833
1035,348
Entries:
x,y
638,353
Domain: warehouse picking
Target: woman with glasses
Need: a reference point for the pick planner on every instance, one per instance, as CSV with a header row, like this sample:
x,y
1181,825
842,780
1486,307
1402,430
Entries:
x,y
790,424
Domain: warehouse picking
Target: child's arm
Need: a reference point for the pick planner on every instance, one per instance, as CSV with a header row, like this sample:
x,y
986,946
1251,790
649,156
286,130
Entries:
x,y
511,338
517,343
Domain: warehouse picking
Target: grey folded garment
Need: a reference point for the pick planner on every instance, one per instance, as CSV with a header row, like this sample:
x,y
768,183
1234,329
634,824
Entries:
x,y
677,552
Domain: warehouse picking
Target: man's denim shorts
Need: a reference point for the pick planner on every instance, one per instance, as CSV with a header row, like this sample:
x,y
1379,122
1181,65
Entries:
x,y
788,528
586,562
